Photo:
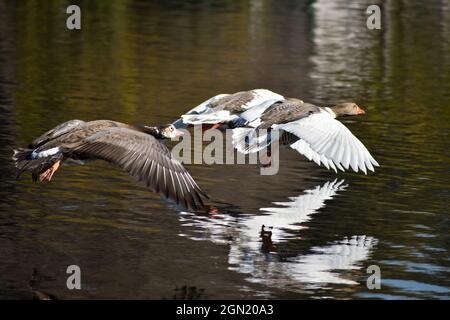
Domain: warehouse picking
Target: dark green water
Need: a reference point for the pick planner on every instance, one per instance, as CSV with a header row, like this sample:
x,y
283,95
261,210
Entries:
x,y
148,63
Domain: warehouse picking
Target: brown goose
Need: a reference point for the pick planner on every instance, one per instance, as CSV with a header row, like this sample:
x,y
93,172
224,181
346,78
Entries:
x,y
225,108
311,130
135,149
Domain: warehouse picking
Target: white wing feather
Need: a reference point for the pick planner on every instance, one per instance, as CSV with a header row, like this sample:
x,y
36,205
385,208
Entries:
x,y
327,141
202,114
201,108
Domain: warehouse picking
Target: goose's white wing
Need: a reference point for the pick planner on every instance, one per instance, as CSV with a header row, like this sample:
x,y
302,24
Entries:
x,y
229,108
327,141
201,108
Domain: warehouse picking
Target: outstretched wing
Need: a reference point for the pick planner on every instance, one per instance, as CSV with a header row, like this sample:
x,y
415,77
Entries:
x,y
325,140
226,108
200,109
143,157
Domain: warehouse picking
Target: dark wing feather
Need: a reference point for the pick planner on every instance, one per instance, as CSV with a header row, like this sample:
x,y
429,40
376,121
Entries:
x,y
56,132
145,158
70,133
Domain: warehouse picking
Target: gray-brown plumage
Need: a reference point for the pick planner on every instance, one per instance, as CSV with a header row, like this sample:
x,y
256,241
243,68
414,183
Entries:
x,y
286,111
133,148
234,102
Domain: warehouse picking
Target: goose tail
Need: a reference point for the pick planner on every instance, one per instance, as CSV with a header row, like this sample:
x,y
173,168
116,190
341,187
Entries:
x,y
24,162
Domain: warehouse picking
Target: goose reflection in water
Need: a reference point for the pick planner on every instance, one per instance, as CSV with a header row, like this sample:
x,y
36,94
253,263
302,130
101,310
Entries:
x,y
253,241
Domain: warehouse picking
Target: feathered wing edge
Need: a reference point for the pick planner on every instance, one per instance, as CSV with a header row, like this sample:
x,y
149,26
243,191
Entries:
x,y
198,110
328,142
150,162
56,132
262,99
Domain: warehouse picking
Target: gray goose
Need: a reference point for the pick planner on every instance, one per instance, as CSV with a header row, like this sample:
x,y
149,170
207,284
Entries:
x,y
225,108
311,130
135,149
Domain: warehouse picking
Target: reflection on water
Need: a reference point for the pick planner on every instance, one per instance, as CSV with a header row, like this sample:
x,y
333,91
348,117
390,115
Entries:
x,y
342,53
341,256
148,62
256,248
299,209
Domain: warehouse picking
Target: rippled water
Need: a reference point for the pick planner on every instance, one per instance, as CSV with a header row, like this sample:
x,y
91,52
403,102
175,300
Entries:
x,y
147,63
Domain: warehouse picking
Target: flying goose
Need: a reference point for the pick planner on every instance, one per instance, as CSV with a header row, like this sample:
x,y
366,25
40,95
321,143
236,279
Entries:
x,y
225,108
311,130
135,149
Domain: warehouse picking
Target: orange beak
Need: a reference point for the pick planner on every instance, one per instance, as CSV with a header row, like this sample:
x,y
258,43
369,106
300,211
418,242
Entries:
x,y
360,111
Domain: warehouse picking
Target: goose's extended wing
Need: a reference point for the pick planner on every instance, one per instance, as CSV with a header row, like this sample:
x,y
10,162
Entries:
x,y
227,108
325,140
146,159
201,108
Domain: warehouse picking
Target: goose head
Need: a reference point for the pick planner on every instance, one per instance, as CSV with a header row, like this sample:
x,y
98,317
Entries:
x,y
167,131
347,109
